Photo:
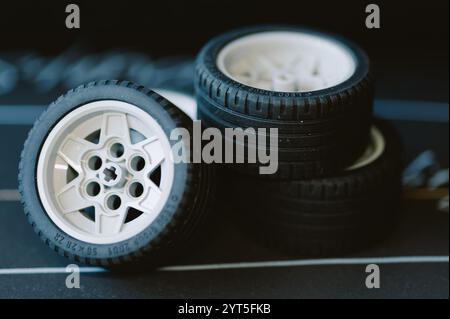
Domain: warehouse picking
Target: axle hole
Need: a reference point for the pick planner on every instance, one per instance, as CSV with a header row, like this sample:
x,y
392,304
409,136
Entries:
x,y
95,163
93,189
137,163
113,202
117,150
110,174
136,189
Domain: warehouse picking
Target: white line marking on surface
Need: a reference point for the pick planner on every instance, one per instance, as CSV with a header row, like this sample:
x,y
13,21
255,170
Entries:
x,y
312,262
9,195
47,270
247,265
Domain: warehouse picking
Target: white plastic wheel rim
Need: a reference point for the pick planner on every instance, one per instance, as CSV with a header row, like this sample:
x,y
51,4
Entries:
x,y
286,61
66,146
373,151
184,102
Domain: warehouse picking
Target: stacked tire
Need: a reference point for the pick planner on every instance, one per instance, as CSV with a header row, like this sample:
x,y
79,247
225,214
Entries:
x,y
337,187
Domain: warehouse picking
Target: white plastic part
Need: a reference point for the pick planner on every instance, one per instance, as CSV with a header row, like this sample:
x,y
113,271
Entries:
x,y
373,151
184,102
286,61
105,177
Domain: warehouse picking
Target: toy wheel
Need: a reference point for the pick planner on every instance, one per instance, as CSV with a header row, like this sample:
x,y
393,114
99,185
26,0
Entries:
x,y
316,89
98,179
332,215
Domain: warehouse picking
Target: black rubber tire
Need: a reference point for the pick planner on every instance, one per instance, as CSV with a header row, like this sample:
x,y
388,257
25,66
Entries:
x,y
326,216
312,126
165,238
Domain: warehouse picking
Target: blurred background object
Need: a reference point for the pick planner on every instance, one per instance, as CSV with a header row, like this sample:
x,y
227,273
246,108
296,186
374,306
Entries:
x,y
32,77
133,39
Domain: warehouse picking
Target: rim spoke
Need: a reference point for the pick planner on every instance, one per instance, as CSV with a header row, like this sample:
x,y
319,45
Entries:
x,y
154,149
70,198
115,125
147,204
73,149
305,66
106,224
290,63
154,188
265,62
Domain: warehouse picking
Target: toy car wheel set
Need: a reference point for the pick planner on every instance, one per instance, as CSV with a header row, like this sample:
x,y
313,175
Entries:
x,y
338,182
99,183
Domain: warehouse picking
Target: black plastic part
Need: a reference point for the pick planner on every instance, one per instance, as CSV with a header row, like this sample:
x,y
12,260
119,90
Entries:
x,y
324,216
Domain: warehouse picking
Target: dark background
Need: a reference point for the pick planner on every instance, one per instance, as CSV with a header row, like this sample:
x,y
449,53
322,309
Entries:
x,y
412,41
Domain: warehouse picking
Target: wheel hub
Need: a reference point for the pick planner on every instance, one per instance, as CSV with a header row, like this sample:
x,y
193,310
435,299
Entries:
x,y
112,175
286,61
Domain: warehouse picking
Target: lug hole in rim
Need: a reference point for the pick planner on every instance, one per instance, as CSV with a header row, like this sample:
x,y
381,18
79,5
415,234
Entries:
x,y
113,202
137,163
117,150
93,189
136,189
95,162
